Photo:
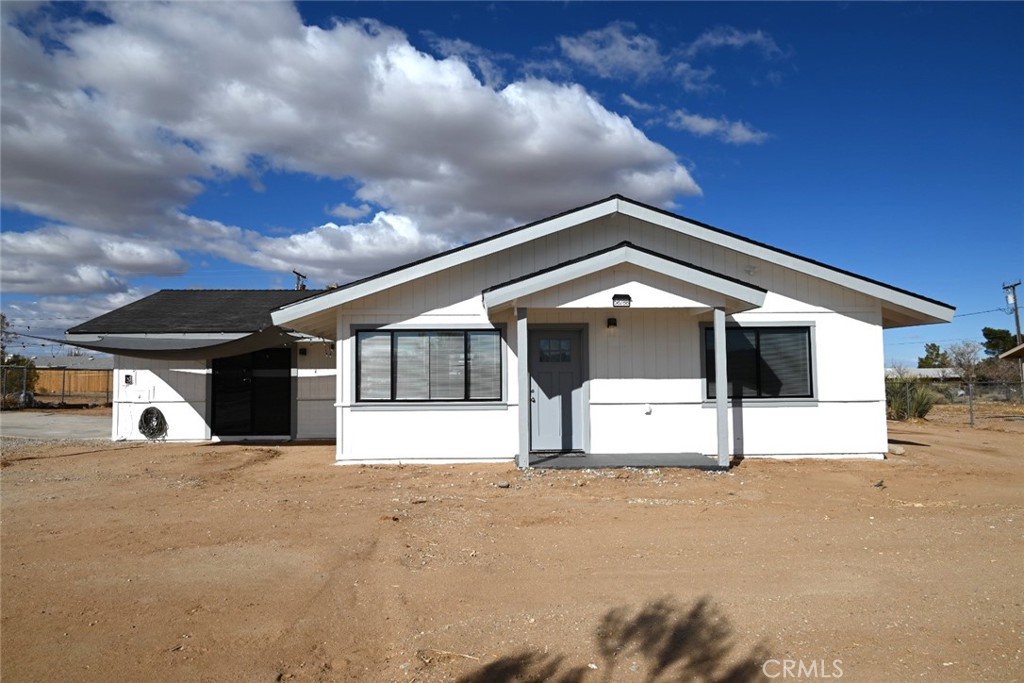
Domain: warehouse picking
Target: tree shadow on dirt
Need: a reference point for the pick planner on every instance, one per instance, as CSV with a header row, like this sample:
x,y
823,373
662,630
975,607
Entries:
x,y
663,642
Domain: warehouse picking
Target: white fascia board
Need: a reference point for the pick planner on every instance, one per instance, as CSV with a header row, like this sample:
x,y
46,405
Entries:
x,y
289,314
926,309
614,257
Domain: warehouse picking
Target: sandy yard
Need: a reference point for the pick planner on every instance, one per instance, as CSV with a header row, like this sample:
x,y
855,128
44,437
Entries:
x,y
132,562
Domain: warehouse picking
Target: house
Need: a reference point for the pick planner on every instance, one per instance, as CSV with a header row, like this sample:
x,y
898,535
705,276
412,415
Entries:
x,y
927,374
1016,353
590,332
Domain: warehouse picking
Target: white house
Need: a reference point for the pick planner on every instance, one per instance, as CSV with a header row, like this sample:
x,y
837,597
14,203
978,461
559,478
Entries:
x,y
591,332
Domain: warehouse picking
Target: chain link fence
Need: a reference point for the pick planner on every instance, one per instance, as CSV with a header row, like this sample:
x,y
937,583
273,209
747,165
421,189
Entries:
x,y
956,402
16,385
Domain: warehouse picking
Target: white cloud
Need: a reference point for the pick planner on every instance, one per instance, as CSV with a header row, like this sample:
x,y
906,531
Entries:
x,y
614,51
484,61
57,259
111,137
693,79
331,252
637,104
349,212
730,36
732,132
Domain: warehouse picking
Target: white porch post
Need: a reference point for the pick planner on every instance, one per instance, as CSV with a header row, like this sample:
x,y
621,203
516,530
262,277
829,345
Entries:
x,y
721,388
523,355
339,387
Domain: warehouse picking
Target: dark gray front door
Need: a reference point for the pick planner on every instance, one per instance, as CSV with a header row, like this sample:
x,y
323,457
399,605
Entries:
x,y
556,390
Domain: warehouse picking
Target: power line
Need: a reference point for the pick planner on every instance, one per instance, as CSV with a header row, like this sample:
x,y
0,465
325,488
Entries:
x,y
926,341
993,310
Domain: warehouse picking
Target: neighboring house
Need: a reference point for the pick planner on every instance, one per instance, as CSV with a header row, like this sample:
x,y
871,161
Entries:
x,y
933,374
593,331
100,362
1016,353
86,377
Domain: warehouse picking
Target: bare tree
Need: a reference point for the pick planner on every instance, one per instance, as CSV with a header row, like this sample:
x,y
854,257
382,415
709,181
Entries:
x,y
7,335
964,357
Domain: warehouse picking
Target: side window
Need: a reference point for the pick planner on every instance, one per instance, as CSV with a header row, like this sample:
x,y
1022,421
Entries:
x,y
763,362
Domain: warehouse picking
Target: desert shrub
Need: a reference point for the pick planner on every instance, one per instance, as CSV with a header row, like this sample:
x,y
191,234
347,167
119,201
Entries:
x,y
907,398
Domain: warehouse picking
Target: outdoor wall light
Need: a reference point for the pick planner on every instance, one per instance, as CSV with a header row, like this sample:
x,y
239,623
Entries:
x,y
612,323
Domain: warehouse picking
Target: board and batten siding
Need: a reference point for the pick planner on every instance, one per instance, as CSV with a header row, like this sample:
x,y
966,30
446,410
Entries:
x,y
314,375
644,378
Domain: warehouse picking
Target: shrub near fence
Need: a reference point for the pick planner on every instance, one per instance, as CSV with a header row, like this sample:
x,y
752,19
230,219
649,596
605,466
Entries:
x,y
907,398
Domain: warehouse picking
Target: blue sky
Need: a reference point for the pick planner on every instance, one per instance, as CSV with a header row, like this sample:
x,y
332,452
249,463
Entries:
x,y
210,145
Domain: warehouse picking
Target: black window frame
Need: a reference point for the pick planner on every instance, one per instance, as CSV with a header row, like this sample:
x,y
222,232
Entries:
x,y
465,332
709,366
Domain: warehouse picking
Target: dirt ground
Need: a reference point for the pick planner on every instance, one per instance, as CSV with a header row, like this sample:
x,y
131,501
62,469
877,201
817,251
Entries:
x,y
1007,417
132,562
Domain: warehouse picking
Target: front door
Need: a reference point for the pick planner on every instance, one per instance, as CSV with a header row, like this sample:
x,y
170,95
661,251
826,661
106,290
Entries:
x,y
556,390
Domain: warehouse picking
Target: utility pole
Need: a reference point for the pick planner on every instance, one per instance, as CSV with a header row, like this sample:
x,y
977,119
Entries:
x,y
1011,299
300,284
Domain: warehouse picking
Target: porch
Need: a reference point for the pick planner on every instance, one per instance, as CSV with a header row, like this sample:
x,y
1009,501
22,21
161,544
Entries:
x,y
599,333
580,461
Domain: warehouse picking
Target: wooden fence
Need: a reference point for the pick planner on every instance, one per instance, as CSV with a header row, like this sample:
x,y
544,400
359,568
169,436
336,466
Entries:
x,y
69,385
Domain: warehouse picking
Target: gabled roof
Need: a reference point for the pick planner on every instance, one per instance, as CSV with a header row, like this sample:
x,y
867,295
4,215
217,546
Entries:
x,y
623,252
900,307
175,311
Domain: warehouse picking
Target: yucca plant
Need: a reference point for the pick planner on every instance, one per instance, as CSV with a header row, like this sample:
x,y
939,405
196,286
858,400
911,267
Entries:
x,y
906,398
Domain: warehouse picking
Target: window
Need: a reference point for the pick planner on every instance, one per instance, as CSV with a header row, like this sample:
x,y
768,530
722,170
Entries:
x,y
763,362
428,365
555,350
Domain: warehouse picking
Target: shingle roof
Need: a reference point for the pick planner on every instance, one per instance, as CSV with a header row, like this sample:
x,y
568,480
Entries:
x,y
172,311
